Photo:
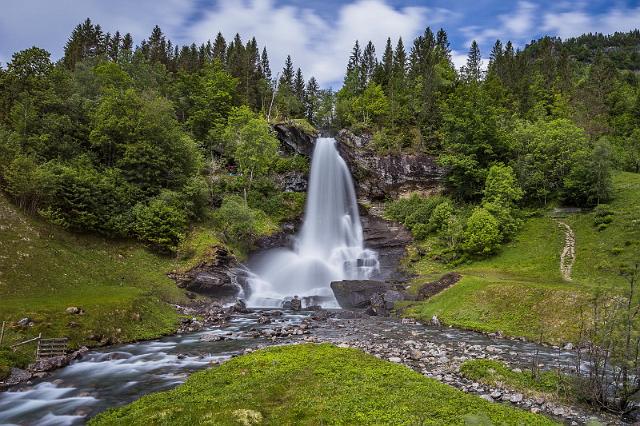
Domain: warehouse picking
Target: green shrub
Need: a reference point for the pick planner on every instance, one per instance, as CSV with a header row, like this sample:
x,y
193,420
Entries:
x,y
160,223
482,235
440,215
237,222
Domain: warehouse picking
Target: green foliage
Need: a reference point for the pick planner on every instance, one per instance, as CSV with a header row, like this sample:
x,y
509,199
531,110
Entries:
x,y
474,138
501,193
159,223
482,234
313,384
239,224
441,215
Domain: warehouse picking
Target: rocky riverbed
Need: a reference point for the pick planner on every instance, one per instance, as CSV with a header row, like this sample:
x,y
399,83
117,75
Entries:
x,y
115,376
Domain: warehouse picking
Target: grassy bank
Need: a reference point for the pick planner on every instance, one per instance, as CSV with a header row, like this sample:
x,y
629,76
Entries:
x,y
520,290
121,286
313,384
548,384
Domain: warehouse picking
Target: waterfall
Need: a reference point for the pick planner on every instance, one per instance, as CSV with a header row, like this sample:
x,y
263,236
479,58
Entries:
x,y
329,246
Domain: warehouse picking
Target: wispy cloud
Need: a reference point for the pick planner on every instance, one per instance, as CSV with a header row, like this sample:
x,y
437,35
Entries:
x,y
319,46
575,22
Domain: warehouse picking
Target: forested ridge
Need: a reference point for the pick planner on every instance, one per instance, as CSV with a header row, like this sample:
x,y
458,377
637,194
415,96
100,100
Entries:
x,y
140,140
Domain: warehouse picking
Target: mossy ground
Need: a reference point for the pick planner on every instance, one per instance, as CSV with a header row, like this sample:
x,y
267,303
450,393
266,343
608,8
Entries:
x,y
311,385
548,384
520,291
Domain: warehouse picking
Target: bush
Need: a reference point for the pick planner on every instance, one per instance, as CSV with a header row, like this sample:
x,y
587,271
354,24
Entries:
x,y
482,235
440,215
422,213
159,223
238,223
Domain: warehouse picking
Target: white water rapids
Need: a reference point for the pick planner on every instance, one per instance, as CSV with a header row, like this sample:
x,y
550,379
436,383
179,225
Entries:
x,y
329,246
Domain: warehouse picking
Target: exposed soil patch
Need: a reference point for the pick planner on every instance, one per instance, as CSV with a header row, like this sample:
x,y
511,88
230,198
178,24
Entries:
x,y
430,289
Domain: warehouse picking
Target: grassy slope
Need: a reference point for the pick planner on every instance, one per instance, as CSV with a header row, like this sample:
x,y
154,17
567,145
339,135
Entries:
x,y
313,384
520,291
44,270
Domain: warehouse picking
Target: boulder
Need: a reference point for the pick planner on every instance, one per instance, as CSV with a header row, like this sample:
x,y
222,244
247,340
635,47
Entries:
x,y
213,276
357,294
24,322
48,364
384,176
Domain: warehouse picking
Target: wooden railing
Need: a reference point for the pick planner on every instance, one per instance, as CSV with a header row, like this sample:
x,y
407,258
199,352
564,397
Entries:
x,y
49,348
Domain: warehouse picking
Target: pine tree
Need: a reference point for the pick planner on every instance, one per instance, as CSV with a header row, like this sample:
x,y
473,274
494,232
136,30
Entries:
x,y
400,60
286,78
220,48
355,60
127,46
496,60
298,86
369,63
264,65
442,41
473,70
312,100
387,64
156,46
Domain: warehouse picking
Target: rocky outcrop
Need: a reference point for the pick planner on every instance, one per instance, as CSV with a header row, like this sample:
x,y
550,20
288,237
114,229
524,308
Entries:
x,y
294,140
213,276
362,294
382,176
293,181
389,240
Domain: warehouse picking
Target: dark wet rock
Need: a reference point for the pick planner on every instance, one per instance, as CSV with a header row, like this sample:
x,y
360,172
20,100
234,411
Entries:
x,y
79,353
321,315
432,288
16,376
282,238
357,294
263,319
381,176
240,307
214,276
293,181
294,140
49,364
313,308
377,305
389,240
296,304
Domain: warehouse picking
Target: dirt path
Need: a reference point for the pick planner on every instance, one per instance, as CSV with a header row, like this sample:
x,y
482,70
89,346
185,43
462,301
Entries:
x,y
568,254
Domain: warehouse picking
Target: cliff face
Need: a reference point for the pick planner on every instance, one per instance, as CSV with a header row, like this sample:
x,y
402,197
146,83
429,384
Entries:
x,y
294,140
381,176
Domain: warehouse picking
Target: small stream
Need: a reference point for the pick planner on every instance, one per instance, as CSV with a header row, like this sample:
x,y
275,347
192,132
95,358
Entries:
x,y
117,375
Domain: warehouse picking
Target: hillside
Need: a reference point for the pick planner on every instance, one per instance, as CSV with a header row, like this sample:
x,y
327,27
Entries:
x,y
521,292
120,285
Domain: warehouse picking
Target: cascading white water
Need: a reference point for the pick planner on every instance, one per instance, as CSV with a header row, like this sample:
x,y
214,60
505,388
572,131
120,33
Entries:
x,y
329,246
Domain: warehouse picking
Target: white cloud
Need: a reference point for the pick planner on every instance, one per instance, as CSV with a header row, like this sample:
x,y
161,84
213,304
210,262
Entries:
x,y
320,47
511,26
47,23
577,22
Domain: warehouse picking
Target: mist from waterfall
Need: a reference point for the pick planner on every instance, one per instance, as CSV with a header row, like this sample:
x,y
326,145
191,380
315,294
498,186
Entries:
x,y
329,246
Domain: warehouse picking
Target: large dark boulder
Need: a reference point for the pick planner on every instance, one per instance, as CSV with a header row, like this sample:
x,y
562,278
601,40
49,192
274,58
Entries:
x,y
213,276
357,294
294,140
387,176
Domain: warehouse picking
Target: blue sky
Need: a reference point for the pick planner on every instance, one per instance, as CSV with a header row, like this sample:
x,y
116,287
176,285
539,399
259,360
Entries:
x,y
318,34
